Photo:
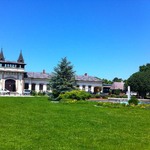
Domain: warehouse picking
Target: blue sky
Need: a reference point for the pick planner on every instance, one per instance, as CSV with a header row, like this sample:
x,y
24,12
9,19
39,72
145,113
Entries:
x,y
104,38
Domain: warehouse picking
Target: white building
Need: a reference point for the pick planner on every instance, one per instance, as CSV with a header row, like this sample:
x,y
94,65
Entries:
x,y
12,74
89,83
37,81
14,78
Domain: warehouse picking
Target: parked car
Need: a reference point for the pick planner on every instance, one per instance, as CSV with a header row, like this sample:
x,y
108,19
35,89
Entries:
x,y
26,92
4,91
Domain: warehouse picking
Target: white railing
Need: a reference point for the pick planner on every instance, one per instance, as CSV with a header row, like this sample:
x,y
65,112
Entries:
x,y
12,69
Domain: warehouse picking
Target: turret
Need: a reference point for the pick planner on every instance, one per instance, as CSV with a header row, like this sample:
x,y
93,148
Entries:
x,y
1,55
20,59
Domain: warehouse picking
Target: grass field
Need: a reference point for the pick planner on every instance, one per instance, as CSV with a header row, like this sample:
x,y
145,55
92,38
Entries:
x,y
37,124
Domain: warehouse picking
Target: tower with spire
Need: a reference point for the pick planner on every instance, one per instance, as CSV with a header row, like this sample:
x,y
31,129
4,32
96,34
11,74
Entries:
x,y
12,73
1,55
20,59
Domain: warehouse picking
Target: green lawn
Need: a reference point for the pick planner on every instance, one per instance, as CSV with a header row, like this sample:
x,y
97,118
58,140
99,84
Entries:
x,y
37,124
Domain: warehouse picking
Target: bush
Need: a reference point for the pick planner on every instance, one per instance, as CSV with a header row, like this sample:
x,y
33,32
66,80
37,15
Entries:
x,y
117,92
75,95
34,93
41,93
133,101
112,95
118,96
97,96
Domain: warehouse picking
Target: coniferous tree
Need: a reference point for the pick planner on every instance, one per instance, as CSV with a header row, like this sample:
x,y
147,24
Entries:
x,y
63,78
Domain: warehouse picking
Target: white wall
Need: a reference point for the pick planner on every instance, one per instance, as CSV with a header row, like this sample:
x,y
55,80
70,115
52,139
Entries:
x,y
37,83
87,84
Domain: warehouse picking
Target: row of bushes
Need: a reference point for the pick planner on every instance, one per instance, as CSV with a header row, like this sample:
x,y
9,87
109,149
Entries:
x,y
99,96
106,96
75,96
34,93
121,105
118,96
132,102
81,95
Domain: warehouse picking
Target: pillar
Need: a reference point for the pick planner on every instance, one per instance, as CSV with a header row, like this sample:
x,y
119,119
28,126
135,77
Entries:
x,y
80,87
92,89
86,88
44,87
37,87
3,84
129,93
30,86
102,89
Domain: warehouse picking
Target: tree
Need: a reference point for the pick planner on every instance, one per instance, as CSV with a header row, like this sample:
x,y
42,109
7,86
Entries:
x,y
117,79
144,68
105,81
63,78
140,81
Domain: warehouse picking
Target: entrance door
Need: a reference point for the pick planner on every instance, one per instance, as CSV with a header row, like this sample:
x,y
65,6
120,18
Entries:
x,y
97,89
10,85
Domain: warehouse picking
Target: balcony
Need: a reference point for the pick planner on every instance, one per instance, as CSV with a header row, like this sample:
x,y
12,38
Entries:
x,y
11,69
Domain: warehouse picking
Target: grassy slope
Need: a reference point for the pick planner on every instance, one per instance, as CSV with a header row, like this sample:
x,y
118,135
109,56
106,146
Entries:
x,y
36,123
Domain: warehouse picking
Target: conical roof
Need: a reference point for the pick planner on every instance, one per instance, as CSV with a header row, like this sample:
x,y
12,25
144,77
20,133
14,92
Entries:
x,y
20,59
1,55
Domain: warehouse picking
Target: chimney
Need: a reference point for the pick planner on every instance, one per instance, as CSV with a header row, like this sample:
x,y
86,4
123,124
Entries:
x,y
85,74
43,71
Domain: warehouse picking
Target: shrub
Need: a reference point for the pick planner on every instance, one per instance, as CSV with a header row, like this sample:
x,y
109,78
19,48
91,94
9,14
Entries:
x,y
104,96
92,95
33,93
97,96
124,96
133,101
112,95
117,92
118,96
75,95
41,93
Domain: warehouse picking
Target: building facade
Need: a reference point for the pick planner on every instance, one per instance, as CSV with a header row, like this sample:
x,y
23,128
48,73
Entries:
x,y
89,83
12,74
14,78
37,81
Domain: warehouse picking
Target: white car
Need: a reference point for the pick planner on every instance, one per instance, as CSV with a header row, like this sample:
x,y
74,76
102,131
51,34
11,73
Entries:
x,y
4,91
26,92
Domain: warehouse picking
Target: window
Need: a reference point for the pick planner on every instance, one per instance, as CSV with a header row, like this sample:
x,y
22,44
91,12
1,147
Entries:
x,y
48,87
41,87
77,86
26,86
83,87
89,88
33,86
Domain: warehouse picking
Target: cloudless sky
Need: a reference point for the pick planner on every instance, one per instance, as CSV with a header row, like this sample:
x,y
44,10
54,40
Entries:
x,y
104,38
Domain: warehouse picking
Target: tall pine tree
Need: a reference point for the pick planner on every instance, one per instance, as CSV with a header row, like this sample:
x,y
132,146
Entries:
x,y
63,78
